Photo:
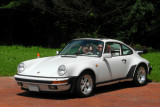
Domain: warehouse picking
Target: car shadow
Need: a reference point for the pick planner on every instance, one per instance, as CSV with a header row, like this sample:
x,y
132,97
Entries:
x,y
54,96
65,96
117,86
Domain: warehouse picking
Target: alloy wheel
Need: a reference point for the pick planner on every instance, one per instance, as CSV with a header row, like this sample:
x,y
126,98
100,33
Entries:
x,y
86,84
141,75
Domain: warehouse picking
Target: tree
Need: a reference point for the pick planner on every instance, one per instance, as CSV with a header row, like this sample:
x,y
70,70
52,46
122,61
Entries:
x,y
121,19
10,4
132,21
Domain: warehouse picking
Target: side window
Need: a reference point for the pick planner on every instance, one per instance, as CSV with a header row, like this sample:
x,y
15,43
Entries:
x,y
126,50
114,48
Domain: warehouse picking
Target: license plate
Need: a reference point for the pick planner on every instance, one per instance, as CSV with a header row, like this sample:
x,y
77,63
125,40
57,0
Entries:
x,y
33,88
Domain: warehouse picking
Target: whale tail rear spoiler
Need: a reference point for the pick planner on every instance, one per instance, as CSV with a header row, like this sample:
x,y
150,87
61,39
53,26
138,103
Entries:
x,y
142,51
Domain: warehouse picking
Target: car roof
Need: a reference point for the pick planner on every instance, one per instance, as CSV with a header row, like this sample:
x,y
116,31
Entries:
x,y
101,39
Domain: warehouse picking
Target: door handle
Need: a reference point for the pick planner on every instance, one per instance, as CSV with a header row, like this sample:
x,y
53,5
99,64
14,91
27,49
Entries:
x,y
124,60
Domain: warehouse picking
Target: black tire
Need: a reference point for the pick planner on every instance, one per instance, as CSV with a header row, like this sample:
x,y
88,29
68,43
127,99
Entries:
x,y
85,85
140,76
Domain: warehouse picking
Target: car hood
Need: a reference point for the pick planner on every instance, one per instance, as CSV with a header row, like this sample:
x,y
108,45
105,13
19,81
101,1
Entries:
x,y
48,66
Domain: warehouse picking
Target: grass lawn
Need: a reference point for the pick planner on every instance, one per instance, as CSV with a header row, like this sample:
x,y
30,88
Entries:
x,y
11,56
154,58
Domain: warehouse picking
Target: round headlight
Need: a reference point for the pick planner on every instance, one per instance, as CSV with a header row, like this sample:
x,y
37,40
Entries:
x,y
61,70
20,67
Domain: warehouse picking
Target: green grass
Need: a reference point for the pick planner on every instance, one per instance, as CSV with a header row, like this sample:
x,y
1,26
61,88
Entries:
x,y
11,56
154,58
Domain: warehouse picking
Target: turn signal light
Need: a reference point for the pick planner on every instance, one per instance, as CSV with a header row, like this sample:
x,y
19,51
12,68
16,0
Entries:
x,y
59,82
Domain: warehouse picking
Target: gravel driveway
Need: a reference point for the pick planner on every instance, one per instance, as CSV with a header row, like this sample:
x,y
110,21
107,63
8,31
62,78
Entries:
x,y
117,95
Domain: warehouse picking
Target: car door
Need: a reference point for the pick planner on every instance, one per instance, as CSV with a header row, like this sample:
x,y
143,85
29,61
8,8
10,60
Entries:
x,y
117,63
127,55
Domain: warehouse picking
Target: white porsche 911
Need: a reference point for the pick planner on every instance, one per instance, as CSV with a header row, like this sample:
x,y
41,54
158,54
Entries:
x,y
83,65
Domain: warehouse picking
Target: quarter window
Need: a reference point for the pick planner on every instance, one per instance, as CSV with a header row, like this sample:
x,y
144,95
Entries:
x,y
126,50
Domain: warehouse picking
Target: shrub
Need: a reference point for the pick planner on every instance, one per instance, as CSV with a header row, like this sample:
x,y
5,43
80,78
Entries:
x,y
140,47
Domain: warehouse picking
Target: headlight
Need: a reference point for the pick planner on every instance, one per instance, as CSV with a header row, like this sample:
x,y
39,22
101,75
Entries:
x,y
61,70
20,67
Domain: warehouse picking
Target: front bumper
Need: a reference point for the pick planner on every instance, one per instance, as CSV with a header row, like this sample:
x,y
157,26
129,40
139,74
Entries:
x,y
149,69
49,84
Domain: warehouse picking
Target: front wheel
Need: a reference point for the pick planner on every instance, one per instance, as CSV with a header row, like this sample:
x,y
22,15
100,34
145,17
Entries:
x,y
85,85
140,77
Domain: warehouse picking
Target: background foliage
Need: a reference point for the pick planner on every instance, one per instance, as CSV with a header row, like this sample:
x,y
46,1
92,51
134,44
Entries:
x,y
50,23
53,23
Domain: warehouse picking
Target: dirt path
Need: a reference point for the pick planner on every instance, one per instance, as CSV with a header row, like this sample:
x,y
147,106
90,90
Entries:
x,y
117,95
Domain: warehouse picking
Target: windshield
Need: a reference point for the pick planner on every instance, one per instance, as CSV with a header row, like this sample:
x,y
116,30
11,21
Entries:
x,y
84,47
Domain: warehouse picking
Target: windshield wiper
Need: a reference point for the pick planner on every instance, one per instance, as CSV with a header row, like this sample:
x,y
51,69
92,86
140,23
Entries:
x,y
74,56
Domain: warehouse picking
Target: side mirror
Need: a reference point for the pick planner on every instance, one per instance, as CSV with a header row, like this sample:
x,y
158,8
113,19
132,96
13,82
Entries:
x,y
107,55
57,52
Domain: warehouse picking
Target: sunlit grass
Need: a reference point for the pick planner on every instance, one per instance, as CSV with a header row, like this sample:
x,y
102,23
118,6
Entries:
x,y
154,59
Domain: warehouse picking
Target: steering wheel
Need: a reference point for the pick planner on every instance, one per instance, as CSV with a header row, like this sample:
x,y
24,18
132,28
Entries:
x,y
89,53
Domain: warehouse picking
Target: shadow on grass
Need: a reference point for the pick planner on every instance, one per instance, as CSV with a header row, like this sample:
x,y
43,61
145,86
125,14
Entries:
x,y
66,96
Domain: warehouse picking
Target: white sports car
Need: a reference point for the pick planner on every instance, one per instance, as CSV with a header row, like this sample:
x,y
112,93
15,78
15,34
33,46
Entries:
x,y
83,65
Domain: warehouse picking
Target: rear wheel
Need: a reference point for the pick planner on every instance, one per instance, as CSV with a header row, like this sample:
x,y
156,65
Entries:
x,y
140,77
85,85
